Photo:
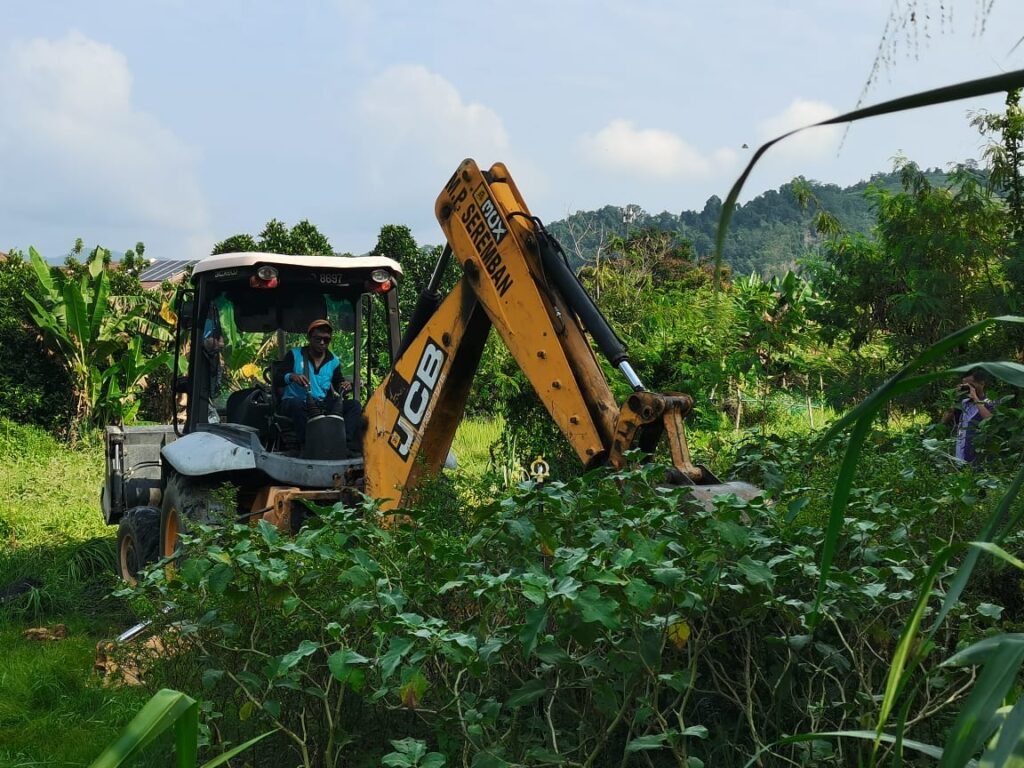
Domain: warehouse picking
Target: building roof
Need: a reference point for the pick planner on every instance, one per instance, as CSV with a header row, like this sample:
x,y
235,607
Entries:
x,y
229,260
159,271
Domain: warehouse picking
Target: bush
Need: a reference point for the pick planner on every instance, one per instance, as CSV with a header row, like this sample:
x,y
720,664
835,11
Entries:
x,y
33,385
592,622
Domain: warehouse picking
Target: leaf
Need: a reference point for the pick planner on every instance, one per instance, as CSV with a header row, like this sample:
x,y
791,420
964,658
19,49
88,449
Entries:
x,y
167,314
167,709
234,752
1002,656
990,611
531,628
344,665
640,594
77,316
552,654
412,690
644,743
596,609
409,748
397,650
289,660
485,759
678,634
1007,748
101,289
926,749
731,533
755,571
42,270
433,760
528,693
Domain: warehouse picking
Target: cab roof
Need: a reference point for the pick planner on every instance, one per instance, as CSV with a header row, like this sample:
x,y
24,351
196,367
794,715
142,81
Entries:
x,y
251,259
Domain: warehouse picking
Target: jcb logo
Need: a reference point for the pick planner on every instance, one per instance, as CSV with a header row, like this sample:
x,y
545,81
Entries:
x,y
418,398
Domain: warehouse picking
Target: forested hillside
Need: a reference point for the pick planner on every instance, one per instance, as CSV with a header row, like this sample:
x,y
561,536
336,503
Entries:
x,y
767,234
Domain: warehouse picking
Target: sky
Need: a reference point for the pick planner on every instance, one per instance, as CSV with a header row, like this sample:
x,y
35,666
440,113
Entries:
x,y
180,123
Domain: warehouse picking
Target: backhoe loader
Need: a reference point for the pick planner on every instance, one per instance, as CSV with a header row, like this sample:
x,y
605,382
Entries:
x,y
232,452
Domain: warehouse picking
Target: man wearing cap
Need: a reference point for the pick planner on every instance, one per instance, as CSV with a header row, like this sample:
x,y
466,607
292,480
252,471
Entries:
x,y
316,383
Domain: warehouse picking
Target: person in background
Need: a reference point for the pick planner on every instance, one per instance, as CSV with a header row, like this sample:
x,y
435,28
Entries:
x,y
973,409
316,385
213,344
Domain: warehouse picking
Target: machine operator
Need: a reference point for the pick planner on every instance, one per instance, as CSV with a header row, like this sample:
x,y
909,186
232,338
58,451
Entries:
x,y
316,386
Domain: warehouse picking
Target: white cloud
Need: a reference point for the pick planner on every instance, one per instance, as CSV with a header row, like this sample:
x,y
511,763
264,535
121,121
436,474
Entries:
x,y
77,153
813,143
649,153
421,118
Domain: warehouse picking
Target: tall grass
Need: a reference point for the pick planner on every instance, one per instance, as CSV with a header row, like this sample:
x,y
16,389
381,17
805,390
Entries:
x,y
472,444
55,542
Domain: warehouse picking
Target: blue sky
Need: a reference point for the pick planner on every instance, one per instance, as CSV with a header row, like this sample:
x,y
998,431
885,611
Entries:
x,y
180,123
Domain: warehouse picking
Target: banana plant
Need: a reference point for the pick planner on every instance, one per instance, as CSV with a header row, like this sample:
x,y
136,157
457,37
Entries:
x,y
125,381
80,328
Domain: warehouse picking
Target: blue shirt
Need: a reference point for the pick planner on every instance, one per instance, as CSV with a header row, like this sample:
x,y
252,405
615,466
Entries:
x,y
319,380
966,427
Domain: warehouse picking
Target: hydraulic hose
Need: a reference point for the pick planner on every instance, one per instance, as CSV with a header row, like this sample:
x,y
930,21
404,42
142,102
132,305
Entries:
x,y
427,303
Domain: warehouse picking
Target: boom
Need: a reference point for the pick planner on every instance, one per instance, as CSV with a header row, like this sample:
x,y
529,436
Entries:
x,y
515,279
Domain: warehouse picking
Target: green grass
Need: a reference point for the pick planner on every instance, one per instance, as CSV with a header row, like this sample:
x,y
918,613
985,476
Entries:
x,y
50,522
53,710
472,444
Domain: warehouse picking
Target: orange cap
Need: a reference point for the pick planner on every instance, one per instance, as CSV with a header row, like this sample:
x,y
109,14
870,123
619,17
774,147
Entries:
x,y
321,323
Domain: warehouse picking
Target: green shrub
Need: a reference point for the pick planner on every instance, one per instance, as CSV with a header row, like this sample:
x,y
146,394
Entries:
x,y
33,385
591,622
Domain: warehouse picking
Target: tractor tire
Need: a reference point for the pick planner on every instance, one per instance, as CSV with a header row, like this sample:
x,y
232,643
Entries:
x,y
185,500
138,538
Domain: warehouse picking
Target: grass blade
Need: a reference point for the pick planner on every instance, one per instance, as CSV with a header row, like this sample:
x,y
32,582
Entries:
x,y
974,724
235,751
918,746
165,710
1007,749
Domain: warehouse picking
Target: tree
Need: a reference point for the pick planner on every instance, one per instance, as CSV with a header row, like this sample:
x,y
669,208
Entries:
x,y
395,241
934,265
34,387
1004,155
302,239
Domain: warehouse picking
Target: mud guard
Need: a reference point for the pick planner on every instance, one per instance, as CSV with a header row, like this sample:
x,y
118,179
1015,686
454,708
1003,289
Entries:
x,y
205,453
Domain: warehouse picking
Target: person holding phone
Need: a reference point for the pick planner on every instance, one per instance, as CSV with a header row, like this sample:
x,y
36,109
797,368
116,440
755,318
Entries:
x,y
974,408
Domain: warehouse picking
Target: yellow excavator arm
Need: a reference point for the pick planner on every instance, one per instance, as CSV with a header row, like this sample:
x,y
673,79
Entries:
x,y
514,278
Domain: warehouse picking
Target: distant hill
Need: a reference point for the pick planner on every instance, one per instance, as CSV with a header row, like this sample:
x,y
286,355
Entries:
x,y
767,234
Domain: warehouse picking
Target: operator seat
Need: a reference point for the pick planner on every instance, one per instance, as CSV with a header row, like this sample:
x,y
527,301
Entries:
x,y
282,428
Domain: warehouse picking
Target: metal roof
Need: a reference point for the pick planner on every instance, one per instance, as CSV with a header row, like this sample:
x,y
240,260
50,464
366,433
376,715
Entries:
x,y
228,260
159,271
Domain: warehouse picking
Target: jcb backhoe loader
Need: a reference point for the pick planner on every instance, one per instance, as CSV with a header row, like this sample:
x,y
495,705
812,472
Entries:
x,y
235,453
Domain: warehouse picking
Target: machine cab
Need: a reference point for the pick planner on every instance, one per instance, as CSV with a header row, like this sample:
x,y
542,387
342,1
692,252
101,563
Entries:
x,y
247,311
